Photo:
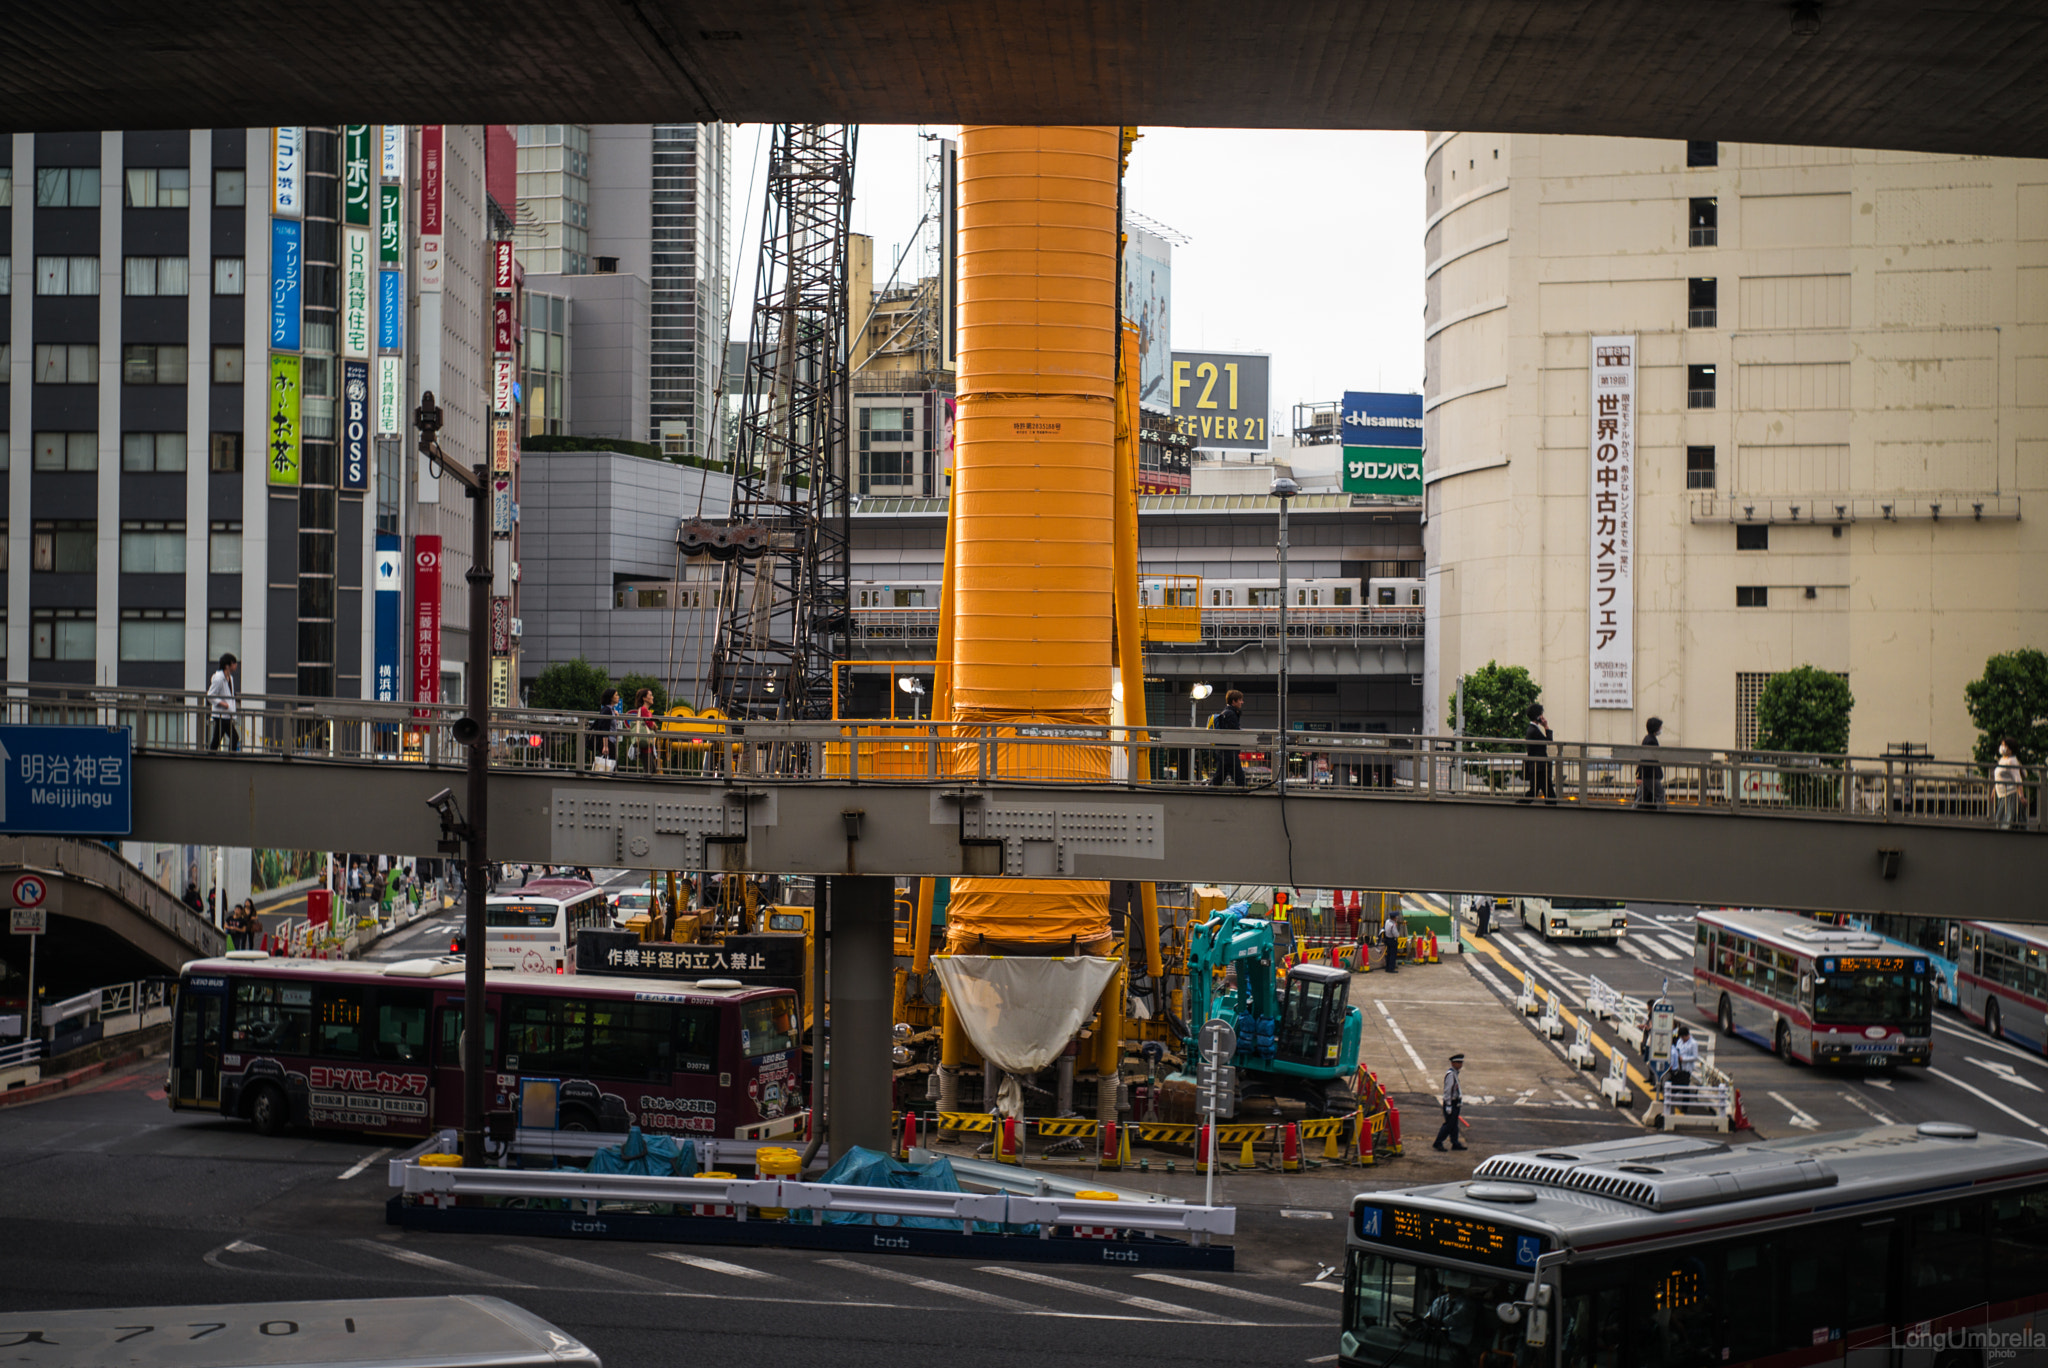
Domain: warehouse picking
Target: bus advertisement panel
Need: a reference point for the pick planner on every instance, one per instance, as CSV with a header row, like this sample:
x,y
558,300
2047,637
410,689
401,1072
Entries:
x,y
1812,993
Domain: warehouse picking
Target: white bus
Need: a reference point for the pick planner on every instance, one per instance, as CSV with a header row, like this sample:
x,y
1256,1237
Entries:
x,y
1575,918
2002,981
1892,1247
533,929
1812,993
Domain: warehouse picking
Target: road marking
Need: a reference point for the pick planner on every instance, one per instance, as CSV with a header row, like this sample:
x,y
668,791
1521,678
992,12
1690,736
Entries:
x,y
1979,1092
1799,1118
945,1289
584,1266
1400,1036
1860,1105
1293,1214
1326,1287
1606,952
428,1261
1998,1068
1655,947
1107,1294
1606,1051
1240,1293
1322,1358
731,1270
1884,1083
1575,952
372,1157
1683,947
1981,1041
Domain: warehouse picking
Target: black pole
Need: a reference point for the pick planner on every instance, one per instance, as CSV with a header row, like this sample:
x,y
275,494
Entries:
x,y
476,878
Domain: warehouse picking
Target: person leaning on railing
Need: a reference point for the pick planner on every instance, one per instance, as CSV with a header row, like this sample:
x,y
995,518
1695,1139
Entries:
x,y
2006,780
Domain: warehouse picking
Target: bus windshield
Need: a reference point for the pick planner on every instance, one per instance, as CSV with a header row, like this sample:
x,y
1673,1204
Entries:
x,y
769,1025
1405,1313
1870,998
529,916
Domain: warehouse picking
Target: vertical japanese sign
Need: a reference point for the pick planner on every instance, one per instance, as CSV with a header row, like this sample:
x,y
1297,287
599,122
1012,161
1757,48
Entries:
x,y
501,386
501,447
390,225
501,681
390,396
431,190
501,626
390,590
501,325
390,310
284,419
284,284
355,174
426,629
355,425
394,152
287,187
501,259
1611,524
356,270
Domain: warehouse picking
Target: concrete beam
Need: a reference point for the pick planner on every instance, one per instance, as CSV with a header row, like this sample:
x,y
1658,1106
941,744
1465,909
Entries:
x,y
1317,839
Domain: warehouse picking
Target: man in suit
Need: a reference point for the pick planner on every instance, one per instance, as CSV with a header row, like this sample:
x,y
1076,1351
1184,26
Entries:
x,y
1537,767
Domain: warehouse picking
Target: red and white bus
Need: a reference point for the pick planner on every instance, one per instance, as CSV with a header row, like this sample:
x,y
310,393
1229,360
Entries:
x,y
283,1042
533,929
2002,981
1812,993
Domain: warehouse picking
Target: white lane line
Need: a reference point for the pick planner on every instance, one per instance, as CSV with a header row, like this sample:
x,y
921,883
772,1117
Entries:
x,y
1575,952
372,1157
1107,1294
1543,948
1326,1287
428,1261
1979,1092
1400,1036
1980,1040
1799,1118
1860,1105
944,1289
731,1270
1322,1358
1238,1292
1606,952
587,1268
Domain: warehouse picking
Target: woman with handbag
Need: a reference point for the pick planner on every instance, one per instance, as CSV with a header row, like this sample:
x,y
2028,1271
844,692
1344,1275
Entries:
x,y
643,727
606,759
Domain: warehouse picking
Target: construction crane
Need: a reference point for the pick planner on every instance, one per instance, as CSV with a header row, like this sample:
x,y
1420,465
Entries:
x,y
783,612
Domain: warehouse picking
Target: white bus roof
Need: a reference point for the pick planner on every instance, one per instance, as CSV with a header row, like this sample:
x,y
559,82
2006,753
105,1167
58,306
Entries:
x,y
2033,935
450,967
1788,932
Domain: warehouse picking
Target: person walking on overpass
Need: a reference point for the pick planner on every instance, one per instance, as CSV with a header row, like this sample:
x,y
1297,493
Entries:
x,y
1537,767
220,702
1454,1106
2006,778
1229,763
1650,770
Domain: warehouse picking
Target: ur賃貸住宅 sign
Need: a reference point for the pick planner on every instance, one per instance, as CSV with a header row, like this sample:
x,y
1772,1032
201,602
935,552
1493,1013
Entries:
x,y
1382,444
66,781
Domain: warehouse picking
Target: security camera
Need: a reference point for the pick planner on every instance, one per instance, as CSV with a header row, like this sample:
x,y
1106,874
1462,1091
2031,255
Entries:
x,y
1284,488
444,803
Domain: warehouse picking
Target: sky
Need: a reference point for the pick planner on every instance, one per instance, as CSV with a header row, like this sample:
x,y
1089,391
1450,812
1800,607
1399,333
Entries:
x,y
1305,245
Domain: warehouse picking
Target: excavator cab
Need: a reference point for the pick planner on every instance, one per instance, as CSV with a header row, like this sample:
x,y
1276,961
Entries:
x,y
1312,1016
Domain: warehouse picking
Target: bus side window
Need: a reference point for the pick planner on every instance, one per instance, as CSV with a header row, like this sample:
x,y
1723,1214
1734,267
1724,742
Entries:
x,y
696,1038
338,1017
402,1024
2018,1237
271,1018
451,1038
1944,1260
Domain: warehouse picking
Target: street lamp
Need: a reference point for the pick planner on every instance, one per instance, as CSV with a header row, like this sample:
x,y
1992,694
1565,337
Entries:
x,y
1283,490
473,731
1197,691
913,686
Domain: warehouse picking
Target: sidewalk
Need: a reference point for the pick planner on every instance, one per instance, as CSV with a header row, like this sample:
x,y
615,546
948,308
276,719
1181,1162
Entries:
x,y
65,1082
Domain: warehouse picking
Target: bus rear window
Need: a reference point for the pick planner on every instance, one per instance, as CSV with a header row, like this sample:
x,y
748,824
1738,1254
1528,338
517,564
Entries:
x,y
768,1025
525,916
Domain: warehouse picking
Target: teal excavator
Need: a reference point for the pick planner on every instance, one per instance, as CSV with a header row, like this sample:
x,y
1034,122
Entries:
x,y
1297,1036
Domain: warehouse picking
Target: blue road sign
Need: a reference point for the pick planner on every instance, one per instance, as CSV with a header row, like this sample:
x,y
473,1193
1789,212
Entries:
x,y
66,781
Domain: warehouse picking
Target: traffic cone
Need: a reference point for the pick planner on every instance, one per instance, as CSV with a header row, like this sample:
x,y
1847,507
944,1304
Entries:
x,y
1738,1119
1432,948
1116,1146
1245,1158
1007,1145
1290,1148
909,1141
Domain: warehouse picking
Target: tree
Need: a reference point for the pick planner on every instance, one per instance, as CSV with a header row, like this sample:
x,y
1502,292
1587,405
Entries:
x,y
631,685
2011,700
1497,699
570,686
1805,710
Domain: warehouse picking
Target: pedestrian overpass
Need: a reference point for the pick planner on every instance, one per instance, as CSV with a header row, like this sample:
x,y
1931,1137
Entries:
x,y
108,921
1825,833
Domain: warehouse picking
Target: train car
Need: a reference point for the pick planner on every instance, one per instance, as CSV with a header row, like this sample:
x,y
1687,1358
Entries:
x,y
1394,593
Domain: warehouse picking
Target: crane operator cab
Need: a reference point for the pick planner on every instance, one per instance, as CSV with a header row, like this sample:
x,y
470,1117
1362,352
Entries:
x,y
1313,1016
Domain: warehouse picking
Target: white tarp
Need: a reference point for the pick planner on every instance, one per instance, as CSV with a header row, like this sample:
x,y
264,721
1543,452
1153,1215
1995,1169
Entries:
x,y
1019,1011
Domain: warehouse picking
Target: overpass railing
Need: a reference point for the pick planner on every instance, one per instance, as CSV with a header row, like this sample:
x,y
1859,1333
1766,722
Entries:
x,y
1312,624
91,863
1880,789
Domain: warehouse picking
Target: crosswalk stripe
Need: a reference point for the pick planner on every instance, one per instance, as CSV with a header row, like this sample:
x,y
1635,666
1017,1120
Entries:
x,y
584,1266
1606,952
731,1270
1655,947
946,1289
1238,1292
1086,1290
1575,952
1683,947
419,1260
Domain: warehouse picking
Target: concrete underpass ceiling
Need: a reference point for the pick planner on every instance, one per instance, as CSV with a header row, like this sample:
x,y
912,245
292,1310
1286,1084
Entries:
x,y
1960,77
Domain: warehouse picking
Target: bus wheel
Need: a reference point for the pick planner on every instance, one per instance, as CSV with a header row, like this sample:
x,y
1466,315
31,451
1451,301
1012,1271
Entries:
x,y
269,1110
1992,1026
1784,1043
1727,1017
576,1119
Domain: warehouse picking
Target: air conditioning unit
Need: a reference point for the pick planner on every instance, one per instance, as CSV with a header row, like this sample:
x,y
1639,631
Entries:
x,y
518,628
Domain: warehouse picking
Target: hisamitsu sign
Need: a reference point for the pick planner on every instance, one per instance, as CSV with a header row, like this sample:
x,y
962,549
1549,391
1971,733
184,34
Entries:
x,y
66,781
1382,444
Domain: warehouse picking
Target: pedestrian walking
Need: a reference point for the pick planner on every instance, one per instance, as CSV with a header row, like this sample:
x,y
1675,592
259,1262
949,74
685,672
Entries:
x,y
1229,763
1537,767
1482,912
1453,1100
1650,770
220,703
1390,936
607,727
643,731
2006,780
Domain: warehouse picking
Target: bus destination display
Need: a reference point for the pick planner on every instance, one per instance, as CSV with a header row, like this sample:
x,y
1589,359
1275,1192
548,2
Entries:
x,y
1871,964
1453,1237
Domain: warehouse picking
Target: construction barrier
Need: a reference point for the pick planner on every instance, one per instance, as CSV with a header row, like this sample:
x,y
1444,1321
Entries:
x,y
1353,1137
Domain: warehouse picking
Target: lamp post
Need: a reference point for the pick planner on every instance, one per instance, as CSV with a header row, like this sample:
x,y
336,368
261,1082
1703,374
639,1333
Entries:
x,y
1197,691
1283,490
913,686
472,731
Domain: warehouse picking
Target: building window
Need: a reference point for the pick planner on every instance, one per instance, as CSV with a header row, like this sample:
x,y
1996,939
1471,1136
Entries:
x,y
152,634
390,466
223,633
1699,387
72,363
159,187
1702,294
153,548
224,453
157,276
1699,153
67,275
227,370
230,187
1752,596
152,365
1753,537
1699,467
6,187
227,276
6,275
1706,222
153,451
67,187
67,451
61,634
64,547
224,549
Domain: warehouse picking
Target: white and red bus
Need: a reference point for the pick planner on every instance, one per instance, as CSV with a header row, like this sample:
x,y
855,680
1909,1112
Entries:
x,y
2002,981
376,1048
533,928
1812,993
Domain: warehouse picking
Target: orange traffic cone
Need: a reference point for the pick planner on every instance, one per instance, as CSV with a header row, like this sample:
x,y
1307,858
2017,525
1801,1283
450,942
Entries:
x,y
909,1141
1007,1146
1738,1119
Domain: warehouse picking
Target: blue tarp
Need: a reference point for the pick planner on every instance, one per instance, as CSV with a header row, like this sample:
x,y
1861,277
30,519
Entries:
x,y
872,1168
656,1155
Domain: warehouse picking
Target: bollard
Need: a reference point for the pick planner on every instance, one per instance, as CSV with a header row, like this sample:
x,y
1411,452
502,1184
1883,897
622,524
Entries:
x,y
1393,1128
1361,1137
1290,1148
1204,1138
1008,1148
1116,1146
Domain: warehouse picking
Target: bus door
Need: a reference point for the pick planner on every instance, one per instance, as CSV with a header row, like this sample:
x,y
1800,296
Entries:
x,y
196,1075
447,1104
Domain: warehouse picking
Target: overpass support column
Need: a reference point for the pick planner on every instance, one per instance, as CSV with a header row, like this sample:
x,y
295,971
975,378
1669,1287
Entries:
x,y
860,983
